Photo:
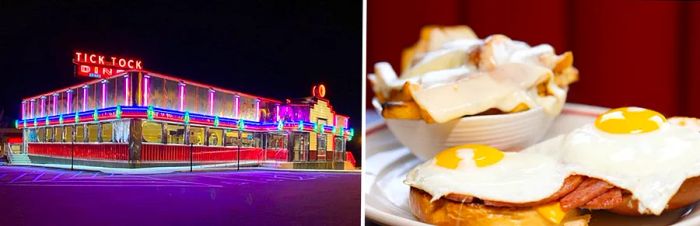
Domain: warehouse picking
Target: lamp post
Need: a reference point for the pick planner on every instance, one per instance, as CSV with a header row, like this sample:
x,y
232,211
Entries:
x,y
72,150
191,147
238,166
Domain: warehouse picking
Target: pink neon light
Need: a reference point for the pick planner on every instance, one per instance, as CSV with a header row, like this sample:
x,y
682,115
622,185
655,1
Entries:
x,y
182,96
257,110
55,99
104,93
211,102
277,112
85,98
43,106
24,108
126,90
70,102
235,107
145,90
31,108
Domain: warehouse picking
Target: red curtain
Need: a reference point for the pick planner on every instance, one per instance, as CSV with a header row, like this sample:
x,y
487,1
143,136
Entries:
x,y
629,53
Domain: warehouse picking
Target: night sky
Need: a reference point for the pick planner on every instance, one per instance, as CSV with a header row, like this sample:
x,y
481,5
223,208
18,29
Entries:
x,y
277,49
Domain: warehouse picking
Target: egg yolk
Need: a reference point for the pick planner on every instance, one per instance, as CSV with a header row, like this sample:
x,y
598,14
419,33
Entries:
x,y
552,212
629,120
483,156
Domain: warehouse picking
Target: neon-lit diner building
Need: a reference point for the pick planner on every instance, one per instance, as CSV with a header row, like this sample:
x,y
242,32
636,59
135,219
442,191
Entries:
x,y
135,118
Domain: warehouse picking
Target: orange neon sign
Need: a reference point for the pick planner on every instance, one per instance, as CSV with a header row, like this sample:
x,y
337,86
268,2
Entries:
x,y
319,91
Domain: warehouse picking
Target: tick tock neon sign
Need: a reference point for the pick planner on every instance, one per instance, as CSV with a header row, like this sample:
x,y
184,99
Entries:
x,y
100,66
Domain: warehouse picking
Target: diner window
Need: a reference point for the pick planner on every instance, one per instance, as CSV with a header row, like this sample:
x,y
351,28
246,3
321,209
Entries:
x,y
216,137
41,135
246,139
68,133
152,132
31,136
196,135
231,138
92,132
276,141
80,133
175,133
250,139
49,134
120,131
258,140
58,137
107,132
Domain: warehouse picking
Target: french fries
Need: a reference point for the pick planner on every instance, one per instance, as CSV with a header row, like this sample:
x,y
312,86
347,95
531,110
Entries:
x,y
401,110
398,102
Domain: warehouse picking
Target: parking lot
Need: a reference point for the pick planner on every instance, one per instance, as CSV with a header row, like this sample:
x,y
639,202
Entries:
x,y
43,196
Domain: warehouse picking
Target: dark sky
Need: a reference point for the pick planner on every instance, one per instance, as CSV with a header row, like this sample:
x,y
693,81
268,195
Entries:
x,y
275,49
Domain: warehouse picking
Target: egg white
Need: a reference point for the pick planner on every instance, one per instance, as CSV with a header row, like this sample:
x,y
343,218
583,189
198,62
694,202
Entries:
x,y
517,178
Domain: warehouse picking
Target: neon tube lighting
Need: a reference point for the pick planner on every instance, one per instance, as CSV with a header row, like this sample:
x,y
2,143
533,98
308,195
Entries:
x,y
43,105
151,74
85,98
182,96
70,102
176,116
104,93
235,107
211,102
31,108
126,90
277,112
145,90
257,110
24,108
55,99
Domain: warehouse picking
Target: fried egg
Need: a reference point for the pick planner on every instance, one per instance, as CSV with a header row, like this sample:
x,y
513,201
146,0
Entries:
x,y
487,173
632,148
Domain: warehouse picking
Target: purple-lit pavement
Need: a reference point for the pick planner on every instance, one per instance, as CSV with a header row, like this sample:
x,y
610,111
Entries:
x,y
43,196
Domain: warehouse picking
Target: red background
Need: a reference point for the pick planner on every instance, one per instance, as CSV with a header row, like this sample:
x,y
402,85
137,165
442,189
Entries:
x,y
629,53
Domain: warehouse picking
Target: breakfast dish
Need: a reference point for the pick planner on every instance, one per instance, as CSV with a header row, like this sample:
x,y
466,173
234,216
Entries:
x,y
450,73
495,188
629,161
653,162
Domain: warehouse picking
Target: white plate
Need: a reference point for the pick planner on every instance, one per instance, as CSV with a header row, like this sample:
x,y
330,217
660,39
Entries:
x,y
388,162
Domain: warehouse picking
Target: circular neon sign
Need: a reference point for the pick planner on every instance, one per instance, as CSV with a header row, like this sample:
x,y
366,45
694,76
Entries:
x,y
319,91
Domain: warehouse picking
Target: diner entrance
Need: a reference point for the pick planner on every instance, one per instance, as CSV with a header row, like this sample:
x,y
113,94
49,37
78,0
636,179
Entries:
x,y
300,146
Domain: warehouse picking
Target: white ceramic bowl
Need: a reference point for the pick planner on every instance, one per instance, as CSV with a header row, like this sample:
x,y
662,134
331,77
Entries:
x,y
507,132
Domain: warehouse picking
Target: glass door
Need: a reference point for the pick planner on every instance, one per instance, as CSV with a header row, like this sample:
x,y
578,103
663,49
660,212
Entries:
x,y
300,146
